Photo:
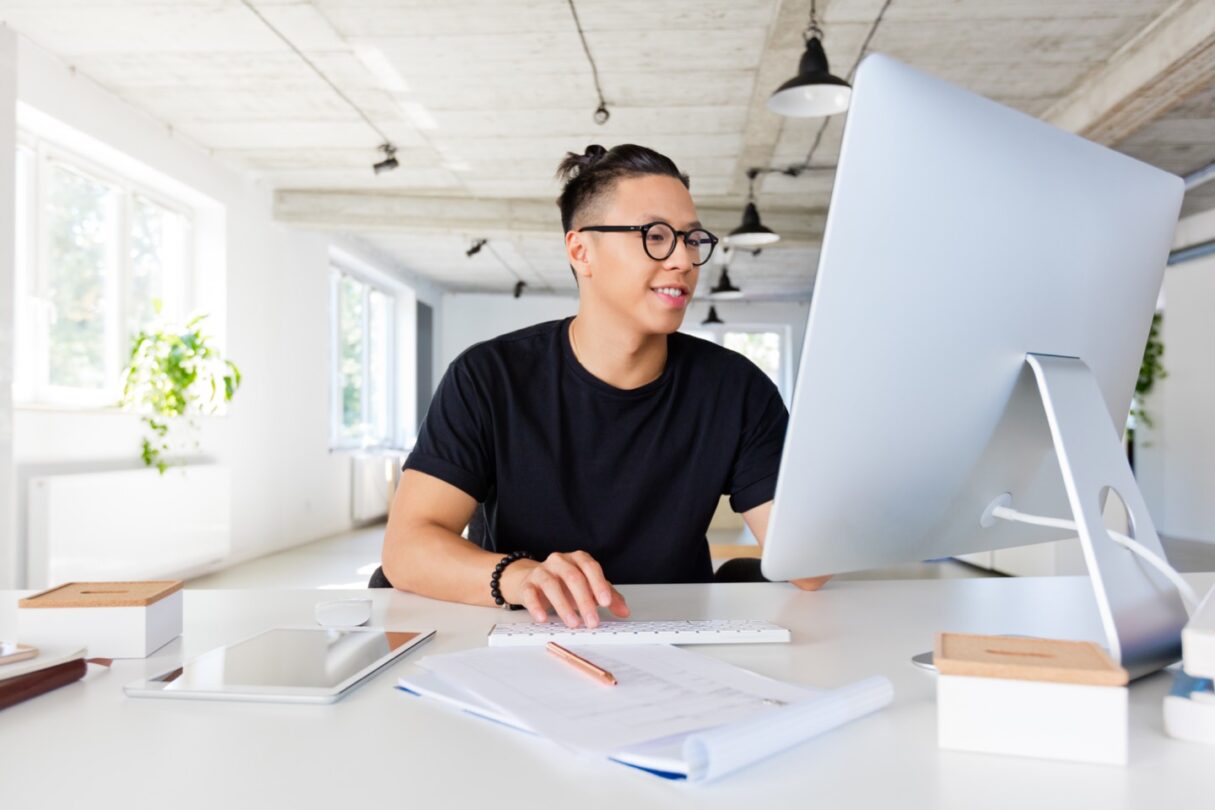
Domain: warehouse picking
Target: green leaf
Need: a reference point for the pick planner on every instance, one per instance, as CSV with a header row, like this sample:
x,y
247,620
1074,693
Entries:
x,y
1151,370
168,376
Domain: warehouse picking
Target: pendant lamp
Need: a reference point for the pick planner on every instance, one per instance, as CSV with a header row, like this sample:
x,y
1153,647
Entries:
x,y
751,233
724,290
814,92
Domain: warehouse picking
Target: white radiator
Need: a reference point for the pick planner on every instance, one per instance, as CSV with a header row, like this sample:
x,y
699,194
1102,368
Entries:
x,y
373,481
128,524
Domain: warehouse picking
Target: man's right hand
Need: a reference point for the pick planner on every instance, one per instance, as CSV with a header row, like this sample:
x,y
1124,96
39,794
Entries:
x,y
571,584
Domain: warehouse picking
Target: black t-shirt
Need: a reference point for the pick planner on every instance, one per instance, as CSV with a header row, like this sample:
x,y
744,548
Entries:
x,y
564,462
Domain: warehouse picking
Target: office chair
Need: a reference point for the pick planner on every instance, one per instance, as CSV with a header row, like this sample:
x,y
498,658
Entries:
x,y
740,569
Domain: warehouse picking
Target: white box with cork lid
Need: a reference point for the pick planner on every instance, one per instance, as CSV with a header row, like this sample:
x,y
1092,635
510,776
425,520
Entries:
x,y
1030,697
112,619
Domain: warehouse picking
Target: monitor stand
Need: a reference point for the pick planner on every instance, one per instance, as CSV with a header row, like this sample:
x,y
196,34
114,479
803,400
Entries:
x,y
1141,612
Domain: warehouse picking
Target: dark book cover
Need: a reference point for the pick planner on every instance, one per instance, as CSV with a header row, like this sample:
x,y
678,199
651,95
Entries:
x,y
32,684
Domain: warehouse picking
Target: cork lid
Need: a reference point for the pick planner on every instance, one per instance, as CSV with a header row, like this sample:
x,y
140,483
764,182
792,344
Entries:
x,y
1026,659
103,594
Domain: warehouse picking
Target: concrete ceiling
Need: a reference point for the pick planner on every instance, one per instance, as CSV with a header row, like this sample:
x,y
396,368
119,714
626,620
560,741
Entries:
x,y
482,97
1182,141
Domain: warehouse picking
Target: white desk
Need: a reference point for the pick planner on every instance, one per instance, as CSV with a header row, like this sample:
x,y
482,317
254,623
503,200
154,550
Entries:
x,y
87,742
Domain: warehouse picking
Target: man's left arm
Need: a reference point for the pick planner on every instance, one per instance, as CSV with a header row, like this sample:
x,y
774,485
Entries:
x,y
757,522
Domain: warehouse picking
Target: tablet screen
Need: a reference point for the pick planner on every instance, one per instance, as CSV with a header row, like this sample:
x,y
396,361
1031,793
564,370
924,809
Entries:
x,y
306,658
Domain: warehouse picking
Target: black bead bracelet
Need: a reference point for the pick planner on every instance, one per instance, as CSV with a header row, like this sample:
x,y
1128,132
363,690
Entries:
x,y
495,589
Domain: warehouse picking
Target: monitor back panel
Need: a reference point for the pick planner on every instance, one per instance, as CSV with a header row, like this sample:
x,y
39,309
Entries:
x,y
962,235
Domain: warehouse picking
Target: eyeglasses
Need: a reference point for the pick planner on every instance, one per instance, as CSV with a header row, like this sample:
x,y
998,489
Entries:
x,y
658,239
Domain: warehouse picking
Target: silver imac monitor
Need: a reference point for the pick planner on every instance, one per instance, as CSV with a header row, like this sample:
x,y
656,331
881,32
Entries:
x,y
984,293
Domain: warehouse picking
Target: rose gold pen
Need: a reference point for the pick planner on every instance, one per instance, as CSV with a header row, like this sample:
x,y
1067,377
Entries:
x,y
598,673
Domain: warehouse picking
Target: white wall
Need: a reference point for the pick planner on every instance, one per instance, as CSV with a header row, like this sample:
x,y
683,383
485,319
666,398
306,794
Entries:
x,y
469,318
1175,460
287,487
9,559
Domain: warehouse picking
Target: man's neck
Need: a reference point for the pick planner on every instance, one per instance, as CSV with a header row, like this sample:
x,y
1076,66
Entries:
x,y
616,354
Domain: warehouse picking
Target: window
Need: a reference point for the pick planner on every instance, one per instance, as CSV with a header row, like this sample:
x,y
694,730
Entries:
x,y
365,382
763,346
98,258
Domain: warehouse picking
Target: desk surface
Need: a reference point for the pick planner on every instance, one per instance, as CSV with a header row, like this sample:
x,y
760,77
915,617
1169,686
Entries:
x,y
87,741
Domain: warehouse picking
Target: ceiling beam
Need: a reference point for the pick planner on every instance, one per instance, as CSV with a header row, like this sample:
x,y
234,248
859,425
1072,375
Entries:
x,y
782,48
1171,59
354,211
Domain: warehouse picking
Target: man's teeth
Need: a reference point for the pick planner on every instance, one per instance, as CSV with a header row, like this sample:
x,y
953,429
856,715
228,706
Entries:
x,y
674,292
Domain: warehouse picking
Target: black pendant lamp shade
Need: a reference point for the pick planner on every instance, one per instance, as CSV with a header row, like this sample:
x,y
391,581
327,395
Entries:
x,y
814,92
724,290
751,233
712,319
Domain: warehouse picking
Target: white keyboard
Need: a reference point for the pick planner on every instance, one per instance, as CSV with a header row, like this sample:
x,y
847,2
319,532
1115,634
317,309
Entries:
x,y
707,631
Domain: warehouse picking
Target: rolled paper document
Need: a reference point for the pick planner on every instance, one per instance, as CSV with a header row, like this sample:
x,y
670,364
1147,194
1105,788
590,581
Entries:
x,y
722,750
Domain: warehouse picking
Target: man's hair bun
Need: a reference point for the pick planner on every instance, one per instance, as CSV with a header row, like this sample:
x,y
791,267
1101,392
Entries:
x,y
574,164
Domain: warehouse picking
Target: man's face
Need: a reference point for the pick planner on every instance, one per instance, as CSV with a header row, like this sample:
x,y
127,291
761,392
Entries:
x,y
615,268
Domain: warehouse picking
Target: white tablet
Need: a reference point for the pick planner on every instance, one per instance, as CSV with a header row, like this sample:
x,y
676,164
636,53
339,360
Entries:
x,y
292,665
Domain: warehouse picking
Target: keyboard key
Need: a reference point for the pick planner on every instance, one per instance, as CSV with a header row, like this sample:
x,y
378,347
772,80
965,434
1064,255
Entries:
x,y
702,631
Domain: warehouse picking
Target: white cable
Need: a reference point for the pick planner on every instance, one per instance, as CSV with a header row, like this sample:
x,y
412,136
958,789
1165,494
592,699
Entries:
x,y
1188,594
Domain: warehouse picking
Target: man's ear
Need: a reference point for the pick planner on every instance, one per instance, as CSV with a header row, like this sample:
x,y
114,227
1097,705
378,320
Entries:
x,y
577,250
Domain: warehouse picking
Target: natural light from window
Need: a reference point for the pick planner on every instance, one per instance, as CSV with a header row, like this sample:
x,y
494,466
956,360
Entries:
x,y
364,379
98,258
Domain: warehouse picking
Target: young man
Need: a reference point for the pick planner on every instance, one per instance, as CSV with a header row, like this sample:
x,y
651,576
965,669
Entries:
x,y
600,444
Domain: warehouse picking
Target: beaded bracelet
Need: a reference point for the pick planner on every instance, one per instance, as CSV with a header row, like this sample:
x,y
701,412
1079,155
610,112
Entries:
x,y
495,588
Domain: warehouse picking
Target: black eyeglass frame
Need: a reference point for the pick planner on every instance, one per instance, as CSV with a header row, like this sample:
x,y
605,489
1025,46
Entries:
x,y
645,232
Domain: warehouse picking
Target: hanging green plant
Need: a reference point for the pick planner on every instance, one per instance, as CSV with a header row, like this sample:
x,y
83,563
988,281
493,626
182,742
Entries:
x,y
174,375
1150,372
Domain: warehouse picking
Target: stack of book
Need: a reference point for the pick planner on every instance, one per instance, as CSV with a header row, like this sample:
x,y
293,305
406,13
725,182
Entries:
x,y
27,672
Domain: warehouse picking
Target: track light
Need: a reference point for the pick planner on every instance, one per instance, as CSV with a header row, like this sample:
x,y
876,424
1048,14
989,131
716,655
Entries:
x,y
814,92
475,247
712,319
751,233
519,285
724,290
390,159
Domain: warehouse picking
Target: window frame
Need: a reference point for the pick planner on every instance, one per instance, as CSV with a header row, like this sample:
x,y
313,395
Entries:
x,y
338,441
32,386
